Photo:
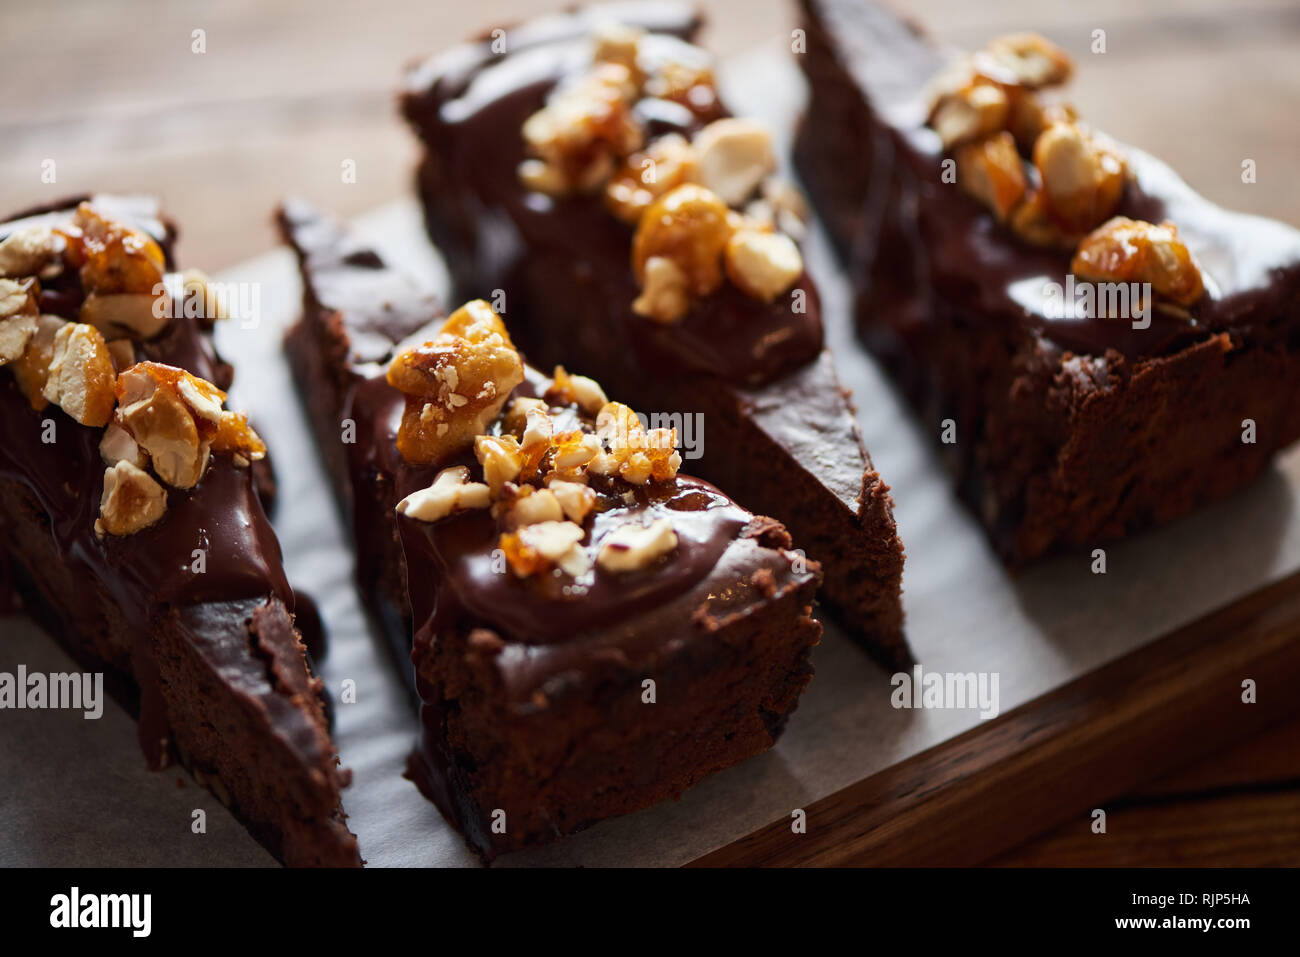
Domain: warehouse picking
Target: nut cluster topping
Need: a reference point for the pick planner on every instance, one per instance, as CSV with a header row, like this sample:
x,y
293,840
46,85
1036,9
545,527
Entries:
x,y
543,459
455,384
1051,179
169,421
706,209
160,424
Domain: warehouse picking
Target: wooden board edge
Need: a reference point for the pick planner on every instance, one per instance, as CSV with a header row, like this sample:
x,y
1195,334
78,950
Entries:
x,y
1059,756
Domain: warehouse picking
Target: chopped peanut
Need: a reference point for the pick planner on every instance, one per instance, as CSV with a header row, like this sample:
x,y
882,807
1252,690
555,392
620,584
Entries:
x,y
131,500
1083,176
80,375
992,172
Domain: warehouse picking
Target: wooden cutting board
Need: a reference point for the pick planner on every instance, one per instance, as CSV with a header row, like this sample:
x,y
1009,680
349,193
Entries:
x,y
1061,756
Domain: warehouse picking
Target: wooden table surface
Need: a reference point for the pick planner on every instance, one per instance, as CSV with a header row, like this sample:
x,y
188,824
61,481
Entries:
x,y
112,95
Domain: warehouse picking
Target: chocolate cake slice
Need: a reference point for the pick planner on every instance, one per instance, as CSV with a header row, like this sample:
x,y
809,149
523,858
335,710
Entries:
x,y
130,521
584,167
1107,348
593,632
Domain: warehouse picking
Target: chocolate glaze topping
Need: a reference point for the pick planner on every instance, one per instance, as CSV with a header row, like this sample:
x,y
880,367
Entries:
x,y
925,242
152,568
470,105
550,621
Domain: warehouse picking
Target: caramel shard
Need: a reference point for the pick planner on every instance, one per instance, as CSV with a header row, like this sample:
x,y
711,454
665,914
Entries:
x,y
131,501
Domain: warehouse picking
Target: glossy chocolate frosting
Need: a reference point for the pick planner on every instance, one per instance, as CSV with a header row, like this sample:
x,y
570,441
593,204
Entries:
x,y
552,623
148,573
924,245
470,104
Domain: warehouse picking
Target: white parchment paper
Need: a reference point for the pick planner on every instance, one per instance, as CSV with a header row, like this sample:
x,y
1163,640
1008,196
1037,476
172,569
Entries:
x,y
75,792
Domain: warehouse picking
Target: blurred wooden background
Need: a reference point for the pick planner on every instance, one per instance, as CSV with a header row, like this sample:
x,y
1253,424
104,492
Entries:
x,y
113,93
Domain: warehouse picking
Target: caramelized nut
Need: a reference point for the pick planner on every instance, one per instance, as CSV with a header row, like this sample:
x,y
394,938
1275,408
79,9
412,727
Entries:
x,y
582,129
501,459
80,375
454,384
117,445
618,43
734,156
691,85
762,264
634,547
131,500
576,499
235,435
689,227
123,353
451,491
536,548
530,506
1128,250
1028,118
18,317
31,369
666,163
631,452
152,410
572,450
1035,61
124,313
577,390
992,172
665,296
30,252
782,206
973,110
1082,175
1032,222
121,271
